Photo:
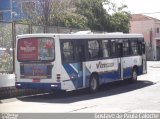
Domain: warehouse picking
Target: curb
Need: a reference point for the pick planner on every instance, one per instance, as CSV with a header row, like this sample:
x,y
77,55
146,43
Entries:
x,y
8,100
155,66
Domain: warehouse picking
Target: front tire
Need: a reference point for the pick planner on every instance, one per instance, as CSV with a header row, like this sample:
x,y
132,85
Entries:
x,y
93,84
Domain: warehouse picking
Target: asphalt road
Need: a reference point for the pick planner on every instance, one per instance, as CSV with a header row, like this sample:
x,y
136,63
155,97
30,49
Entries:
x,y
143,96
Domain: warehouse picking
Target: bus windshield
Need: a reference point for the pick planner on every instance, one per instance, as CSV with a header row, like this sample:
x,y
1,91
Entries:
x,y
35,49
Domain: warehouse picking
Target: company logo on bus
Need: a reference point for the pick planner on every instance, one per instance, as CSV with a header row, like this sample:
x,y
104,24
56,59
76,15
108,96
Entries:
x,y
27,47
104,65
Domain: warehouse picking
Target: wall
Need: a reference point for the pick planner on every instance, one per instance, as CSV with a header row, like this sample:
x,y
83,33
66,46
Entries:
x,y
147,28
157,38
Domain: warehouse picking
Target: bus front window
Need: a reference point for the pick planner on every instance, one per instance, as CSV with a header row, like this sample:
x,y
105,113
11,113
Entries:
x,y
36,49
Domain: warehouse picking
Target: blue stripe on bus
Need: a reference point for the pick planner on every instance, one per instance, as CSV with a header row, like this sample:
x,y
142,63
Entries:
x,y
127,72
31,85
103,77
70,71
73,71
109,75
140,70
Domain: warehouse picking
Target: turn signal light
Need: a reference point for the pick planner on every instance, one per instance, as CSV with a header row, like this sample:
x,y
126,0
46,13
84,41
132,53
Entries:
x,y
58,77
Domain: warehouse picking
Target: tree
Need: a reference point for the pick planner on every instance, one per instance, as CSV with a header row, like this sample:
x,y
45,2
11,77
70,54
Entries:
x,y
5,35
71,19
111,19
120,19
79,14
47,12
93,10
6,59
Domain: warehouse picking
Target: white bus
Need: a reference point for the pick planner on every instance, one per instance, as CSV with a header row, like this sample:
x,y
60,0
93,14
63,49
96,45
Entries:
x,y
75,61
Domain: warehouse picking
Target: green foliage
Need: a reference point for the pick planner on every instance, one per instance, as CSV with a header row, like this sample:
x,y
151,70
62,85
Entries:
x,y
93,10
55,13
74,20
120,20
6,62
99,18
5,35
80,14
6,59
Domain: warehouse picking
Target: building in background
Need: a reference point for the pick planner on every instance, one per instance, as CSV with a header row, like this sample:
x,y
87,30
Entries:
x,y
150,28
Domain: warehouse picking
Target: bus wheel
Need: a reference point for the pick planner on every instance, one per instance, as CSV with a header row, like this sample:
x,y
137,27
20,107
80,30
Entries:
x,y
93,84
134,75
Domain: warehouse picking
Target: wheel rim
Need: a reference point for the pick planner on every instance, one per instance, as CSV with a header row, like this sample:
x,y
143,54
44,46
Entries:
x,y
134,75
94,84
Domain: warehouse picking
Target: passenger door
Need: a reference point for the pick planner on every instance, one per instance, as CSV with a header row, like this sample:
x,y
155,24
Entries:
x,y
80,54
120,54
72,59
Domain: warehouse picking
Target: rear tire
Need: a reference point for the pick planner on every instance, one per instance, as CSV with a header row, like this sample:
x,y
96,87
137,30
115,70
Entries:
x,y
93,84
134,75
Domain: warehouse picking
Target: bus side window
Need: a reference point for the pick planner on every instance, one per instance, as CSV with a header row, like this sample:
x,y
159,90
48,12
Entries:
x,y
126,51
80,54
67,51
113,48
93,49
134,47
106,48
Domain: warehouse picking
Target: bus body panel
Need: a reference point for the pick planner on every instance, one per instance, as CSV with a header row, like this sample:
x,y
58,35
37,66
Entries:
x,y
41,83
107,69
129,63
72,76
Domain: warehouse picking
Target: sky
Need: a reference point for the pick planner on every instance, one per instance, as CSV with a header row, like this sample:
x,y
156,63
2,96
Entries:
x,y
141,6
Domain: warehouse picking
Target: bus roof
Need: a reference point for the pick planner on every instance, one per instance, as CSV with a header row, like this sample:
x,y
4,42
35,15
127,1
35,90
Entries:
x,y
83,36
